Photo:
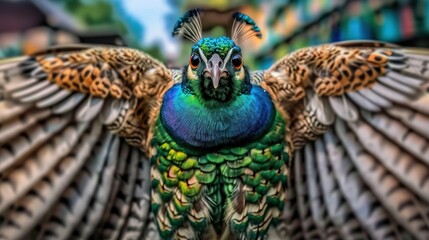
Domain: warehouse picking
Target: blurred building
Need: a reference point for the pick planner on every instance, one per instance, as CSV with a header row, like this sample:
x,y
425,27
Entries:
x,y
28,26
299,23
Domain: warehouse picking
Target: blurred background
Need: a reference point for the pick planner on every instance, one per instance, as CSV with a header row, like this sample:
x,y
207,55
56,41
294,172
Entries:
x,y
27,26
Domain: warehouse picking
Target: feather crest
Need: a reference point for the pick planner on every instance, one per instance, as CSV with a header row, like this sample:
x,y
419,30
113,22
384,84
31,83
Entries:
x,y
244,28
189,26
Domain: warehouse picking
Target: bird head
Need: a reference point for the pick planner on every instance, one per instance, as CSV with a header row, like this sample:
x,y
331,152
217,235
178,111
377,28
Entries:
x,y
215,73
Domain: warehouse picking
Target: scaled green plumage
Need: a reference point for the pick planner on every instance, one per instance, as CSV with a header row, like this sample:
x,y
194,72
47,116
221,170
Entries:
x,y
241,184
219,45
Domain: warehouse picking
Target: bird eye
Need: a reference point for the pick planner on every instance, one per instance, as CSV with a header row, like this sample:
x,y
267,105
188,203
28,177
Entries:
x,y
236,61
194,61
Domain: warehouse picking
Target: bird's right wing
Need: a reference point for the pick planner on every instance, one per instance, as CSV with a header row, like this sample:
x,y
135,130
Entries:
x,y
358,121
65,171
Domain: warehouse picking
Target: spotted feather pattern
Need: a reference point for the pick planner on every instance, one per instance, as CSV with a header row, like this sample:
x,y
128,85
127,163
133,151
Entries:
x,y
329,70
102,72
326,71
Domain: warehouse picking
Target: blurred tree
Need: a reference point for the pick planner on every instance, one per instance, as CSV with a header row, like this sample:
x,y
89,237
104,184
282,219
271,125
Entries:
x,y
95,13
216,4
109,15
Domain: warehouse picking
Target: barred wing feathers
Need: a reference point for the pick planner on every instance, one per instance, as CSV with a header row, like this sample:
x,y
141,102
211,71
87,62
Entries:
x,y
358,122
74,125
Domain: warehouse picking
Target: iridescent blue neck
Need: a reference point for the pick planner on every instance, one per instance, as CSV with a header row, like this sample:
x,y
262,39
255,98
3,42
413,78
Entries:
x,y
191,123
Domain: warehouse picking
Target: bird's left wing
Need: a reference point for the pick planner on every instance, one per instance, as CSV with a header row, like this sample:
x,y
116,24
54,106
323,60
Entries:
x,y
358,129
74,124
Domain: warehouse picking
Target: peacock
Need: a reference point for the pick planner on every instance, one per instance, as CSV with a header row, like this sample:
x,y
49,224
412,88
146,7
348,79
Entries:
x,y
330,142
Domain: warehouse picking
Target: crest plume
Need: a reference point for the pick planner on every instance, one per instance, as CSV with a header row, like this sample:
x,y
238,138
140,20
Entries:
x,y
189,26
244,28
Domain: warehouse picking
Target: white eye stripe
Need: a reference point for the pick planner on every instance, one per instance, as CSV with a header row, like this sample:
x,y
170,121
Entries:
x,y
228,56
203,56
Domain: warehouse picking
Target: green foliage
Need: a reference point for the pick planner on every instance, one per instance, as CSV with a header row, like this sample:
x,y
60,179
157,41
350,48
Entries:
x,y
104,15
94,13
100,14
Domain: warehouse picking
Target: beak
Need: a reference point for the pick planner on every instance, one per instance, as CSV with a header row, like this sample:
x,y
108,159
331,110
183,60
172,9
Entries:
x,y
214,65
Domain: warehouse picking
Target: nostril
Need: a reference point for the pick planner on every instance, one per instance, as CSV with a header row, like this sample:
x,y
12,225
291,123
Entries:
x,y
219,64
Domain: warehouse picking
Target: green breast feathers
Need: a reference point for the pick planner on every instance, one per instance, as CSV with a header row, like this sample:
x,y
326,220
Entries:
x,y
237,190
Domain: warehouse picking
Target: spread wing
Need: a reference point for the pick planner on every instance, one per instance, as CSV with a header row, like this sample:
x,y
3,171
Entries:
x,y
74,125
358,130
